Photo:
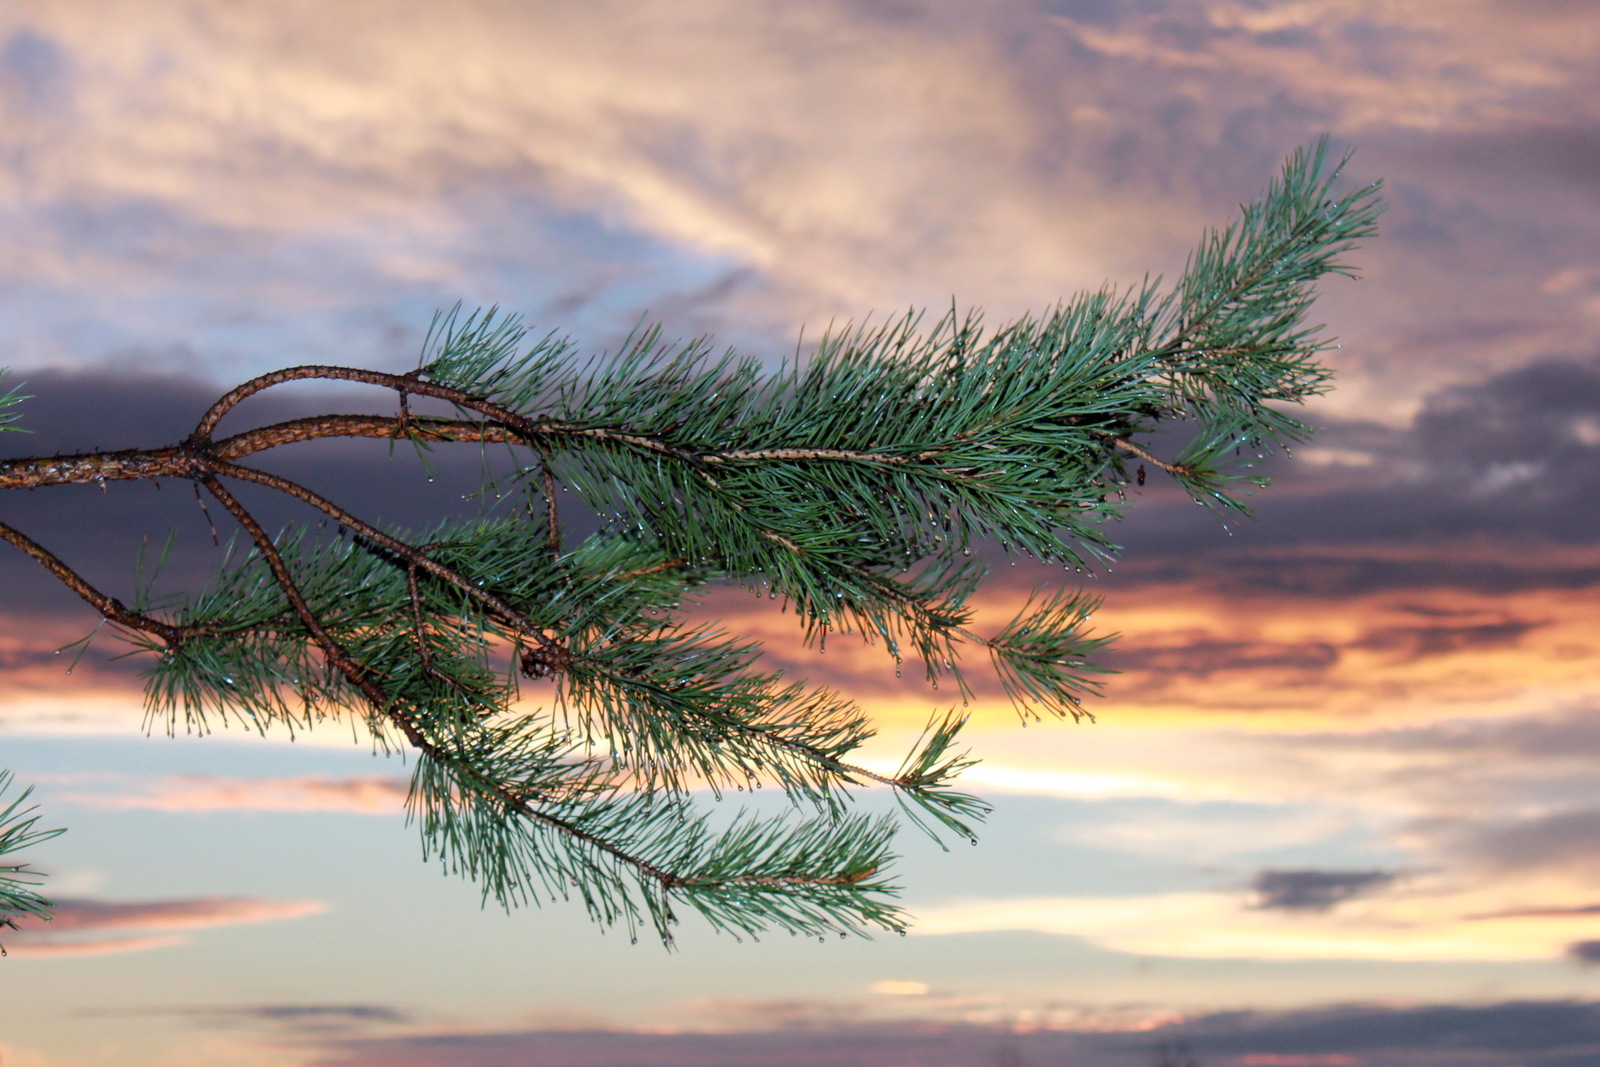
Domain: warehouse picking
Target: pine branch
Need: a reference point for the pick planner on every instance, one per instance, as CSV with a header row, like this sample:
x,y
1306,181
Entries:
x,y
853,484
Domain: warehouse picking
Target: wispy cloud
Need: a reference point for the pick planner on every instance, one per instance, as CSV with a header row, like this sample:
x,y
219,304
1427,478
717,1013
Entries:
x,y
365,795
279,1018
143,924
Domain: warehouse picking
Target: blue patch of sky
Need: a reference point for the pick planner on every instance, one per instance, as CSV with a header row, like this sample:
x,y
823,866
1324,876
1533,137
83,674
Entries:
x,y
35,74
189,296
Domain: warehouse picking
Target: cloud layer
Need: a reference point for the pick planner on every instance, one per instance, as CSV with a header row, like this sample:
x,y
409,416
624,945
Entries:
x,y
1500,1034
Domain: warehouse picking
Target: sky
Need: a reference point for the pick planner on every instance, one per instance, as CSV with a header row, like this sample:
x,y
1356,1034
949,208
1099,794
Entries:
x,y
1338,808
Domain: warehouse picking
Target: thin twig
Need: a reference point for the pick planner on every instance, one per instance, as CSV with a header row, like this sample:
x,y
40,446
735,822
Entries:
x,y
359,676
416,618
676,561
108,606
409,553
550,503
1175,469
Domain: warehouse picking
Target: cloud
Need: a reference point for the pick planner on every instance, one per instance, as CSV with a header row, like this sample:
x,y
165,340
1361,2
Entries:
x,y
1504,1034
895,987
845,160
282,1018
1441,918
1585,952
847,1046
36,77
1562,840
356,795
1315,890
113,947
1202,656
1512,1029
1485,488
135,921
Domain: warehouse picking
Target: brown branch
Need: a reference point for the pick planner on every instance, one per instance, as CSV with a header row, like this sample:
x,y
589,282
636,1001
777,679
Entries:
x,y
109,607
553,648
528,429
408,553
550,504
386,427
808,454
416,619
676,561
178,461
202,459
346,664
1175,469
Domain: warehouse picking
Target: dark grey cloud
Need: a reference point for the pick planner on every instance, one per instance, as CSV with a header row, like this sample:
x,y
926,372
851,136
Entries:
x,y
1420,642
1513,459
36,77
1154,666
1552,1033
1202,658
1531,435
1562,840
1556,157
1514,1030
1585,952
1315,890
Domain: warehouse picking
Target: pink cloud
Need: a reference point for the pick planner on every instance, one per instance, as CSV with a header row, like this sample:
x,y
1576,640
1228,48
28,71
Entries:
x,y
108,947
75,914
142,919
357,795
